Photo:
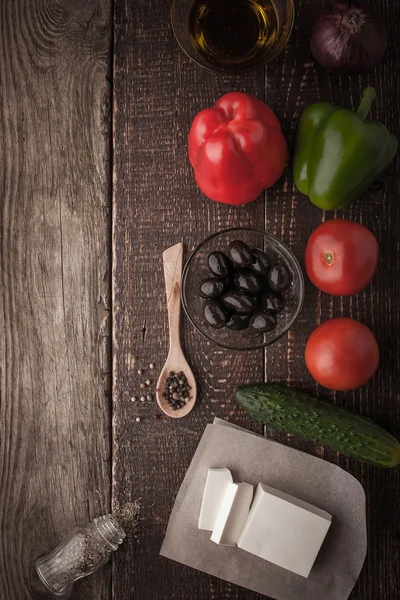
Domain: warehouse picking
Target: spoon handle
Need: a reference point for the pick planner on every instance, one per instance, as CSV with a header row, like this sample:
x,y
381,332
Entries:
x,y
172,258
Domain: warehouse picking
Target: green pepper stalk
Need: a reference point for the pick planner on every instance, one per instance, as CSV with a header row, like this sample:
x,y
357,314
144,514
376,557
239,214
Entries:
x,y
339,154
369,96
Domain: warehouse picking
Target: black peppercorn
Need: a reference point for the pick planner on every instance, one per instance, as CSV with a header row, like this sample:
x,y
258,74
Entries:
x,y
176,390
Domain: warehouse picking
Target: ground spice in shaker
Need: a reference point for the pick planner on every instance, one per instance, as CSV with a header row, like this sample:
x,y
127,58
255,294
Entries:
x,y
81,553
128,517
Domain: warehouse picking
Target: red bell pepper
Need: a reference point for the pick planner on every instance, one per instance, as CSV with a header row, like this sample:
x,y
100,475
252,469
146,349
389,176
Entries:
x,y
236,149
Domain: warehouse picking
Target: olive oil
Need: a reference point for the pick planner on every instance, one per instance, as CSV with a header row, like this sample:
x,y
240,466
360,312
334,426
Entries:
x,y
233,33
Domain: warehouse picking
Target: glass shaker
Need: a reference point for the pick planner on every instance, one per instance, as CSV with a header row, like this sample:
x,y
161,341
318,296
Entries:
x,y
81,553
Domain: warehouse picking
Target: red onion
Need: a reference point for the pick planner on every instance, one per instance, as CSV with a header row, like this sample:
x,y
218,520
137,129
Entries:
x,y
348,39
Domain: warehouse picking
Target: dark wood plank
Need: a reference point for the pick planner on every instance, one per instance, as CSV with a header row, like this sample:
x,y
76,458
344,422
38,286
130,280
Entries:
x,y
305,82
379,211
157,91
54,412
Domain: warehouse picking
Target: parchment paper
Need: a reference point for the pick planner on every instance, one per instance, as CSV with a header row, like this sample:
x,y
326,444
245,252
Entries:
x,y
255,459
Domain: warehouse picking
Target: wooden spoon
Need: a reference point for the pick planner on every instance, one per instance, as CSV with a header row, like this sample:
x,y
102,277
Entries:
x,y
176,361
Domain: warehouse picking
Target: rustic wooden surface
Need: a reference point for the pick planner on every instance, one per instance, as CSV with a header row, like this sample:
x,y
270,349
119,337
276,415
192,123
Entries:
x,y
157,91
57,464
54,291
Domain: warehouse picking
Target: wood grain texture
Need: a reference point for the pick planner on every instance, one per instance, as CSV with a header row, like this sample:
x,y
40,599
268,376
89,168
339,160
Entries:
x,y
176,361
54,292
157,91
173,263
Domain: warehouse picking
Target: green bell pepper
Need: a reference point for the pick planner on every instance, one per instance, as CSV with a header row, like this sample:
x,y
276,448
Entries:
x,y
338,154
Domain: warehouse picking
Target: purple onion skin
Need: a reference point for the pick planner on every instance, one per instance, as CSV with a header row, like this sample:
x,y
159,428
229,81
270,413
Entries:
x,y
348,39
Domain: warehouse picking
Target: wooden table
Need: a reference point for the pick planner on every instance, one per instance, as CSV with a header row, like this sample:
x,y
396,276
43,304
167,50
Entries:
x,y
96,100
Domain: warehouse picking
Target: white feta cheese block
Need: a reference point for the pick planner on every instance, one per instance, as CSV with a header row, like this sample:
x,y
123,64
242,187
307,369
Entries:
x,y
214,492
232,514
284,530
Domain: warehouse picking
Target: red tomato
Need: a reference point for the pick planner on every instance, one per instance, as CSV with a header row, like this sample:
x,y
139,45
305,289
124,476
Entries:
x,y
342,354
341,257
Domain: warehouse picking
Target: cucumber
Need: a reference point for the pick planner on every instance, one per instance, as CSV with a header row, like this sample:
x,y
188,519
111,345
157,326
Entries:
x,y
323,423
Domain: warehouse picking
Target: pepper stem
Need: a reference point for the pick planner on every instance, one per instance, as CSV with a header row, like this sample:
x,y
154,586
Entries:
x,y
369,96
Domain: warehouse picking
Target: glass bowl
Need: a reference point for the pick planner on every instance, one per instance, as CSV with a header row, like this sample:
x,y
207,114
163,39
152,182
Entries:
x,y
196,269
268,43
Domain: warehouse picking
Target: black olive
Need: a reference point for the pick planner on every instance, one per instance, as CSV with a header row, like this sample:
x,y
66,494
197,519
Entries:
x,y
219,264
279,278
272,302
263,321
265,289
260,263
238,302
238,322
215,314
240,253
211,288
256,301
246,281
228,281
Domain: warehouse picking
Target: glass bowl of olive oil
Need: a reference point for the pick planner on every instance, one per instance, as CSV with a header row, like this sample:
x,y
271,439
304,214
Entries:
x,y
232,36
